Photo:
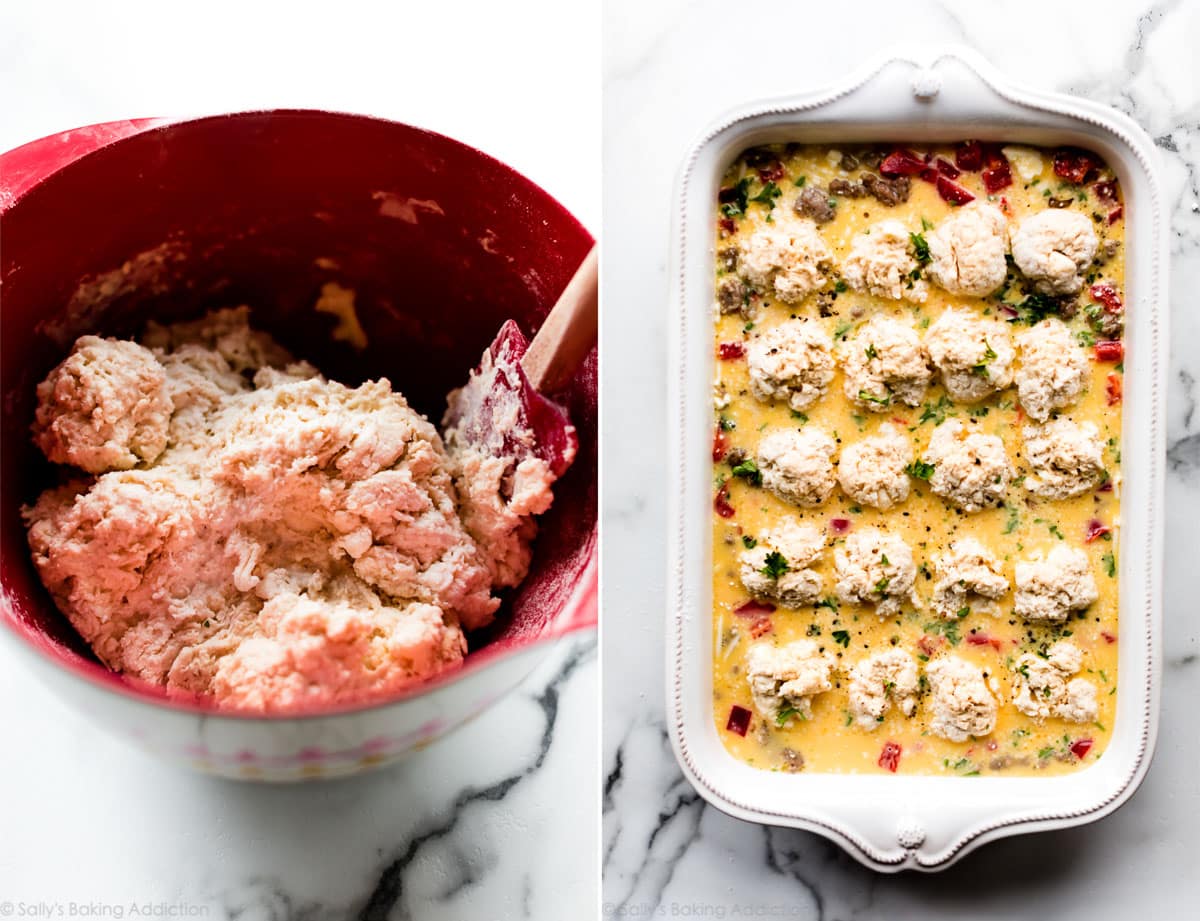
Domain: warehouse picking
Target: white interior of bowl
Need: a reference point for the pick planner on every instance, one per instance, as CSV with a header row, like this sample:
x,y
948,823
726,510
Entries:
x,y
909,821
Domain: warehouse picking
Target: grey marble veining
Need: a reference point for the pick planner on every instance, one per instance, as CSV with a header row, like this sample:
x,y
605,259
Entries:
x,y
668,73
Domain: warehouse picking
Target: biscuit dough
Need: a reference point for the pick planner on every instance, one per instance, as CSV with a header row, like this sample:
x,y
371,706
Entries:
x,y
255,533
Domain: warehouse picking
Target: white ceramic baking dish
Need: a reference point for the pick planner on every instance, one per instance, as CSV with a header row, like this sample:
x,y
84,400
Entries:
x,y
895,822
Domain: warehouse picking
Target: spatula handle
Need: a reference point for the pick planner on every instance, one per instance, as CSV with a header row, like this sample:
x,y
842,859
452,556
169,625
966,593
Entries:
x,y
569,331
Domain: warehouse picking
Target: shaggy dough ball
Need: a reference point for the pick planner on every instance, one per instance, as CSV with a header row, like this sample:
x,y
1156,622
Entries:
x,y
880,263
786,258
798,465
787,678
967,250
1053,369
1041,687
296,542
879,680
793,584
872,471
967,578
105,407
883,362
1067,458
961,704
791,362
970,470
1049,589
874,567
1053,249
974,356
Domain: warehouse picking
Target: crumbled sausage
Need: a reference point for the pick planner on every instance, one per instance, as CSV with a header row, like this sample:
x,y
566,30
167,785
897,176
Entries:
x,y
814,202
731,294
889,192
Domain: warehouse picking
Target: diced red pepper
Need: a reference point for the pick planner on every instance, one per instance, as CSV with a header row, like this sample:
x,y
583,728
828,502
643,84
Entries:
x,y
1114,389
771,172
739,720
1096,529
720,444
889,758
1080,748
901,162
1107,295
953,192
761,627
1109,638
1106,486
754,608
1106,190
721,502
969,156
1116,214
899,420
1004,207
947,169
983,639
839,525
929,644
1110,350
996,178
1074,165
729,351
728,227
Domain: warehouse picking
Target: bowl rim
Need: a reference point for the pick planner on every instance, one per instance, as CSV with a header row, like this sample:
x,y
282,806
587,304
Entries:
x,y
896,91
40,160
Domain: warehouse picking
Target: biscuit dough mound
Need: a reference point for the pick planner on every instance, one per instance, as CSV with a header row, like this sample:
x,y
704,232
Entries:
x,y
791,362
1050,588
786,258
880,263
1041,687
874,567
970,470
1053,249
297,542
792,583
967,250
1053,369
105,407
879,680
1067,458
797,466
872,471
974,356
960,702
884,362
968,579
786,678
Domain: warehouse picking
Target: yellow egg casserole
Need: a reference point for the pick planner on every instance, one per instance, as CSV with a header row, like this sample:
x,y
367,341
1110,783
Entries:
x,y
917,458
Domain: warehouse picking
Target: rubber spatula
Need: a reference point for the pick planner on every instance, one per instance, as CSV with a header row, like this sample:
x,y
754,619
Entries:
x,y
501,410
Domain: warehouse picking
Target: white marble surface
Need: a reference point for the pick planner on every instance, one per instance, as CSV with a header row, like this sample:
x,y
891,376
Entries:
x,y
499,820
670,69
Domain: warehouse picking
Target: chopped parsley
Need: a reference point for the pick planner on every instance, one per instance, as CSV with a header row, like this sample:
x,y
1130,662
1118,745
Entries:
x,y
727,425
749,542
776,565
1034,309
767,196
786,714
937,411
842,637
842,328
882,585
799,181
748,470
962,612
840,286
737,206
829,602
871,351
799,416
920,248
919,470
868,398
1110,565
948,629
1014,519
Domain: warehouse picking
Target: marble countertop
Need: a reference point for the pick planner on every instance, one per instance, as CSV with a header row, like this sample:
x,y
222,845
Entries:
x,y
497,821
670,69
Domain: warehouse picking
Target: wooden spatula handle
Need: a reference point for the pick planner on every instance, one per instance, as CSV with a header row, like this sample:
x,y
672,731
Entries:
x,y
568,333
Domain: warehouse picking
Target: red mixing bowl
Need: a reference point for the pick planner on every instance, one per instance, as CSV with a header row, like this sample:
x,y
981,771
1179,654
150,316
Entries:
x,y
103,228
